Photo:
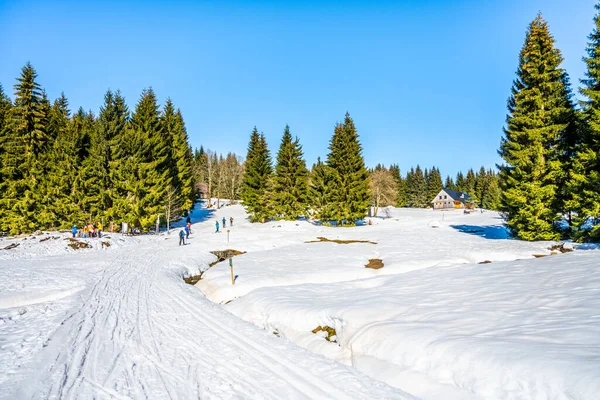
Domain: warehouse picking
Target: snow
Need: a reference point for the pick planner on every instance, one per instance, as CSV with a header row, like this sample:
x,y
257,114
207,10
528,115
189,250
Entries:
x,y
432,323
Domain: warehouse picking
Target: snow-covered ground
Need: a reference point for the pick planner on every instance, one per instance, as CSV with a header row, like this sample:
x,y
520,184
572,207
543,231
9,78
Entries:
x,y
118,321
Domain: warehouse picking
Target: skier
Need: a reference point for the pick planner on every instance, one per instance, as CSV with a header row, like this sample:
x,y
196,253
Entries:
x,y
189,226
188,220
181,238
187,232
99,229
230,221
224,221
217,226
74,230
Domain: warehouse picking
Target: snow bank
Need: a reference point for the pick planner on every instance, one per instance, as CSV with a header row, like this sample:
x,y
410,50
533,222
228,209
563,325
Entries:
x,y
509,330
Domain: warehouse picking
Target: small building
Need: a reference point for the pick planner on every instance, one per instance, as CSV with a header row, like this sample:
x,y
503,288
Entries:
x,y
447,199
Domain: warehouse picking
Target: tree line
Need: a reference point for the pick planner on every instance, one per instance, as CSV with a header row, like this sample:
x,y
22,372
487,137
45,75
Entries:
x,y
551,147
334,190
419,187
58,169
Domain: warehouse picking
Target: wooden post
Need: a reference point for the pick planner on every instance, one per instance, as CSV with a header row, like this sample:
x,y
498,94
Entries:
x,y
228,237
231,267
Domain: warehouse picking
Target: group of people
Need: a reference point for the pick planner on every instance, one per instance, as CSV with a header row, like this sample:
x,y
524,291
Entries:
x,y
224,224
88,231
187,229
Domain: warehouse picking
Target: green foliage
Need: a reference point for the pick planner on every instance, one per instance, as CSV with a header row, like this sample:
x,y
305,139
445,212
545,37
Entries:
x,y
59,169
434,183
257,183
540,114
416,188
321,180
350,195
583,184
290,183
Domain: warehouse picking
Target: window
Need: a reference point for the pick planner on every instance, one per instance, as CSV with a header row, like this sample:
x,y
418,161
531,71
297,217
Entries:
x,y
445,197
440,197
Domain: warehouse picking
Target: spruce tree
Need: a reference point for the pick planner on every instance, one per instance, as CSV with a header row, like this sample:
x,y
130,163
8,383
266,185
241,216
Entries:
x,y
5,106
540,112
584,182
460,182
417,189
434,184
449,184
24,148
290,183
321,179
257,180
350,189
247,185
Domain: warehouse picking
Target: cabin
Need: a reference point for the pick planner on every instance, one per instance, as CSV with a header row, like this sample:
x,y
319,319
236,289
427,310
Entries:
x,y
449,199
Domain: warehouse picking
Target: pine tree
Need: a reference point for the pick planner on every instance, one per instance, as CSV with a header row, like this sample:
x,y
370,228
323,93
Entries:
x,y
321,179
5,106
400,185
469,185
257,179
416,188
540,111
449,183
247,186
350,189
460,184
290,183
434,184
584,182
24,148
179,158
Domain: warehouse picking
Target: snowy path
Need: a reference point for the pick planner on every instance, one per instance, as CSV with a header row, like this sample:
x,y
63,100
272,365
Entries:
x,y
140,332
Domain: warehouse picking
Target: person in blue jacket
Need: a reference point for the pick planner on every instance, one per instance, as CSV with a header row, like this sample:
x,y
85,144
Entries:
x,y
74,230
181,238
187,232
217,226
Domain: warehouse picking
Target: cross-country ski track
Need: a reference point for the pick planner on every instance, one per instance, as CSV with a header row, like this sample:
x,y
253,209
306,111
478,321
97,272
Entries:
x,y
139,331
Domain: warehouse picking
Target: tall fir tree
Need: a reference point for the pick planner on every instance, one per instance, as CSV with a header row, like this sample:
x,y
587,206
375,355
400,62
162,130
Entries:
x,y
290,183
540,114
24,150
460,182
257,179
416,188
5,106
321,179
350,189
449,184
584,179
434,183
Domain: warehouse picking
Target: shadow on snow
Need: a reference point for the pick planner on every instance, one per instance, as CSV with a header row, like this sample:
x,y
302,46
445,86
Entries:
x,y
487,232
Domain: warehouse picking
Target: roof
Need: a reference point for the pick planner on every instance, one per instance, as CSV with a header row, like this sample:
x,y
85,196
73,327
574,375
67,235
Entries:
x,y
458,196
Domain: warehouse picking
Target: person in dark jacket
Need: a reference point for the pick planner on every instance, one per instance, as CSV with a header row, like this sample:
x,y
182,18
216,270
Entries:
x,y
181,238
217,226
188,220
230,221
224,221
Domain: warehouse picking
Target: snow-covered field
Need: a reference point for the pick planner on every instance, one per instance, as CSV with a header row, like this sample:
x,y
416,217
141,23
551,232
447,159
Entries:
x,y
119,322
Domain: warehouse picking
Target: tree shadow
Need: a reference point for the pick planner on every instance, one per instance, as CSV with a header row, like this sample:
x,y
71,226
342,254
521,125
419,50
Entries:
x,y
494,232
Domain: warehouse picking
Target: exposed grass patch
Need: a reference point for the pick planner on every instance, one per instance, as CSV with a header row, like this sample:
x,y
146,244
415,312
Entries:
x,y
331,334
105,244
560,248
78,244
11,246
485,262
374,263
338,241
539,255
192,280
223,255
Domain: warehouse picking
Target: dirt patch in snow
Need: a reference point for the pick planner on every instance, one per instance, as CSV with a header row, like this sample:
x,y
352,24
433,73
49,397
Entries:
x,y
11,246
561,248
485,262
331,334
375,263
192,280
338,241
78,244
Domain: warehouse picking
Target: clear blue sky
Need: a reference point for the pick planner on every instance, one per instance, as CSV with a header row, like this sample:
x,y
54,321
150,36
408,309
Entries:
x,y
425,81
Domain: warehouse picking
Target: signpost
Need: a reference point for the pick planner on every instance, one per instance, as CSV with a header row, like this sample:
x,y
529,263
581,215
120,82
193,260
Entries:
x,y
231,267
228,237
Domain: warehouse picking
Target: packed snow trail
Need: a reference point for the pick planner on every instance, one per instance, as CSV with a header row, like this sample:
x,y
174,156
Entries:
x,y
140,332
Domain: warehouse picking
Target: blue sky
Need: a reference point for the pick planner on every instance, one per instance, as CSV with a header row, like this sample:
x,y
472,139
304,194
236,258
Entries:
x,y
425,81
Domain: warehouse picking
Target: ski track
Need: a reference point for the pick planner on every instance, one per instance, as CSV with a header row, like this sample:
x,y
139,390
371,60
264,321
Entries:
x,y
140,332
